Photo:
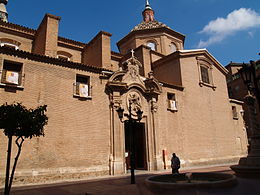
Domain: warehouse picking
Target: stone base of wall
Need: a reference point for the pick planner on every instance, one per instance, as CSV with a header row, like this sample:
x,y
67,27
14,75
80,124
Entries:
x,y
207,162
211,161
44,176
47,176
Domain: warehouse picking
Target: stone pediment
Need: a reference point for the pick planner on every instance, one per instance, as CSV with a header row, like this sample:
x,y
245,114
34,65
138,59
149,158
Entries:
x,y
130,77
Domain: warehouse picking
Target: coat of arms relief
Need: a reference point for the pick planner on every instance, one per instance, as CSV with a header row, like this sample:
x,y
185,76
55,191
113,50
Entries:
x,y
134,100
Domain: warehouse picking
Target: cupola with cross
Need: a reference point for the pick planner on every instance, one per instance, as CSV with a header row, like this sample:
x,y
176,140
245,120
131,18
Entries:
x,y
156,35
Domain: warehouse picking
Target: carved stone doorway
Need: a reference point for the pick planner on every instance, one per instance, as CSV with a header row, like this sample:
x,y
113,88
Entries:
x,y
139,145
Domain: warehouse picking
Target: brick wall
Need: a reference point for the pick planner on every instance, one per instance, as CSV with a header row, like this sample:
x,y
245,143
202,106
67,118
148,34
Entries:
x,y
78,130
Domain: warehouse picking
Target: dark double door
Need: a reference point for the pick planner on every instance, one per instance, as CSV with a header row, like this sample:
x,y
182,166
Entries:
x,y
139,144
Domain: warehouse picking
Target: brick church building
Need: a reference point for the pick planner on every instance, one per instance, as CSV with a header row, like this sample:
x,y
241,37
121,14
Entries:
x,y
182,93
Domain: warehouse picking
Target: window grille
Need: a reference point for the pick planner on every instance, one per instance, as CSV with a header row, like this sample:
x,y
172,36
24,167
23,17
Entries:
x,y
81,88
12,73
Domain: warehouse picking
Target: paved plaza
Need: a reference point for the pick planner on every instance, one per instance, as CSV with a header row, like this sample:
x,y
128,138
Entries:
x,y
121,185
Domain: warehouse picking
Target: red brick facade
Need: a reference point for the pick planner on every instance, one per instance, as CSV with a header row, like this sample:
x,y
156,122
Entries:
x,y
84,136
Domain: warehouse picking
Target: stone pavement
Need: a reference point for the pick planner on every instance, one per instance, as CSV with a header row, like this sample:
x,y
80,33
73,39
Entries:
x,y
120,185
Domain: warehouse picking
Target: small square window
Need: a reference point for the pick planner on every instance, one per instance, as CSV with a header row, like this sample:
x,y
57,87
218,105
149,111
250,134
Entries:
x,y
172,103
82,86
234,112
11,73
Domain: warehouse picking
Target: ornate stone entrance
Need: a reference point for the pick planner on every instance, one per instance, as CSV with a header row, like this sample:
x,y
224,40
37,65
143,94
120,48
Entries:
x,y
123,87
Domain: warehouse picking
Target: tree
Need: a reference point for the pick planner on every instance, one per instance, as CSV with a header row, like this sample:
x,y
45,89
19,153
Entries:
x,y
18,121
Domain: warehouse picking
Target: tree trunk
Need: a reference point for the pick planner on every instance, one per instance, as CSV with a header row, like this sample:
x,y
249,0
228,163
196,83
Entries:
x,y
9,150
19,145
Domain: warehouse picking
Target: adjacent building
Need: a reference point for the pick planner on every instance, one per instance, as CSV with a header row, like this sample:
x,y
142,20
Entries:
x,y
238,90
182,93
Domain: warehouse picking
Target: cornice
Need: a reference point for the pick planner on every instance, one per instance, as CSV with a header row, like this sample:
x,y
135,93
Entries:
x,y
30,33
195,52
236,101
97,36
50,60
145,31
71,43
17,27
164,59
116,56
17,30
235,64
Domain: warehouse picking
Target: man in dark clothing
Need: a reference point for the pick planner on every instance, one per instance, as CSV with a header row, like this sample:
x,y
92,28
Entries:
x,y
175,164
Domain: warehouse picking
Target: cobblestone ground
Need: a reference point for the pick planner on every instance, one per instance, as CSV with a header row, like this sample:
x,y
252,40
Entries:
x,y
121,186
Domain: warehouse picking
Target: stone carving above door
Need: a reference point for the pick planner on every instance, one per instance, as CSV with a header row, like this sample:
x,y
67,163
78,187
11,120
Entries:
x,y
132,66
129,77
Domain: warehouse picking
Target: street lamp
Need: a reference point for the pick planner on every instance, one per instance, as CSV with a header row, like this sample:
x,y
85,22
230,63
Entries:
x,y
250,166
131,121
250,78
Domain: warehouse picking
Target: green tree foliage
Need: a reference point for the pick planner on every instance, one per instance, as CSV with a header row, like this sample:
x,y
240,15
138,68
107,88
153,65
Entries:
x,y
16,120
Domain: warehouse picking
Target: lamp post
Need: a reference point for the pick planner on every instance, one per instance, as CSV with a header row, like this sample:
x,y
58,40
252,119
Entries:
x,y
250,78
250,166
131,121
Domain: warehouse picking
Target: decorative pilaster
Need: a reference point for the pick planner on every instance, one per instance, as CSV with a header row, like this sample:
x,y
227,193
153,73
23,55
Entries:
x,y
116,136
157,163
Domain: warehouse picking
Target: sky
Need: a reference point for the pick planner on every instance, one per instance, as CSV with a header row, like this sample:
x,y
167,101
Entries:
x,y
228,29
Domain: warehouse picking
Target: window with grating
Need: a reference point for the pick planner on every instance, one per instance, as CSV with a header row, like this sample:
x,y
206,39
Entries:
x,y
82,86
11,73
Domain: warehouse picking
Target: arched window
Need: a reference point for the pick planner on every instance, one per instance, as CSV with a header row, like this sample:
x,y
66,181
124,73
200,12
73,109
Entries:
x,y
64,55
152,45
5,42
205,67
173,47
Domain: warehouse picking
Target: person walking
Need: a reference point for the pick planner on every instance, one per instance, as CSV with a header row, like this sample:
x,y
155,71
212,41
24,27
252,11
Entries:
x,y
175,164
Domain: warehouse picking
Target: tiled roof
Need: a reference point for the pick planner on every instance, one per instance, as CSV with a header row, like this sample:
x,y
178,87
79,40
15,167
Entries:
x,y
50,60
149,25
17,27
29,31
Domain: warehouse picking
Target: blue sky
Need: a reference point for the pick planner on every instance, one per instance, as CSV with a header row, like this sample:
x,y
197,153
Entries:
x,y
229,29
